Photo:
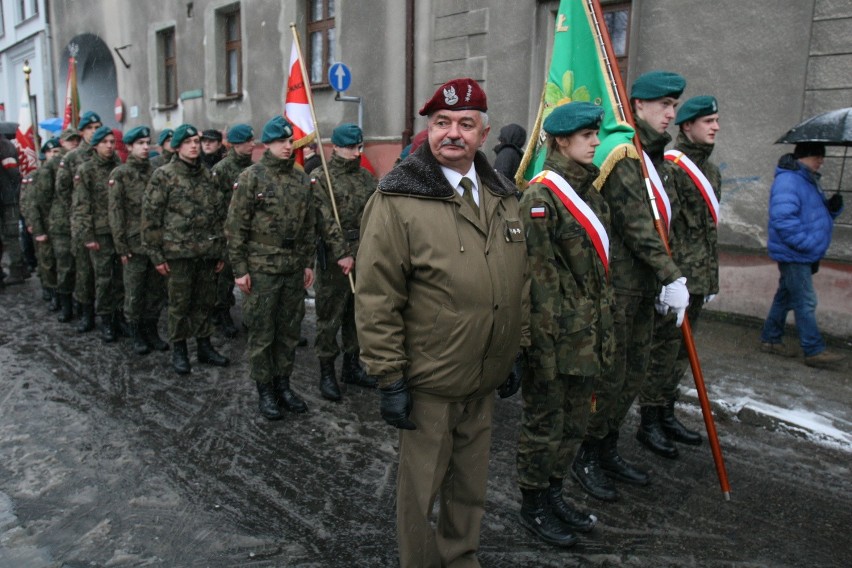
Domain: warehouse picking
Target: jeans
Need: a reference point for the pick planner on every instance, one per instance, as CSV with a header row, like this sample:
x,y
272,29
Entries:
x,y
795,292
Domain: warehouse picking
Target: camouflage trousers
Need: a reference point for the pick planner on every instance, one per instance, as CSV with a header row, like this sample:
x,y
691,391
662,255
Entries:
x,y
9,234
109,288
192,294
669,360
553,424
84,275
273,313
144,289
335,305
62,252
633,323
46,263
225,288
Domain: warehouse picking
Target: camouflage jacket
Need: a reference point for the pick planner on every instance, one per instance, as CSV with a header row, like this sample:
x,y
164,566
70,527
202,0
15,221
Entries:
x,y
271,224
693,236
228,170
41,188
638,259
59,205
162,159
182,213
127,185
90,201
353,186
65,186
570,296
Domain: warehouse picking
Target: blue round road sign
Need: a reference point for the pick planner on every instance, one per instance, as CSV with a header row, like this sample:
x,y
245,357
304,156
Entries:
x,y
339,77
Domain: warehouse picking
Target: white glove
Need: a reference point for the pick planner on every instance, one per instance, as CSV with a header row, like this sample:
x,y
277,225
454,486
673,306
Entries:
x,y
675,295
661,308
680,313
709,298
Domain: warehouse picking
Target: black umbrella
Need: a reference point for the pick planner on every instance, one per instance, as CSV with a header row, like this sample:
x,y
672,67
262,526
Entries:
x,y
833,128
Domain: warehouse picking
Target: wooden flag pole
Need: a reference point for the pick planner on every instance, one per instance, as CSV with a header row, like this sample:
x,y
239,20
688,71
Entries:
x,y
320,151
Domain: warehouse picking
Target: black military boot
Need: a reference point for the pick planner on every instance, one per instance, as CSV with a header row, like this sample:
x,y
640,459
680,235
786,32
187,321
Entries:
x,y
152,336
352,373
267,403
614,465
207,354
45,294
674,429
122,327
571,517
54,300
140,346
67,312
537,517
328,381
87,318
287,398
586,469
109,329
229,330
303,342
651,433
180,358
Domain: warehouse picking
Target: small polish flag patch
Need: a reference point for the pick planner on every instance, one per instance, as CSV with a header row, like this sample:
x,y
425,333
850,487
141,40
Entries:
x,y
538,212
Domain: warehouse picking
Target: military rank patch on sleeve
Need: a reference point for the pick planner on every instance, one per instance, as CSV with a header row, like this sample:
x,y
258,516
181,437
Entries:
x,y
538,212
111,182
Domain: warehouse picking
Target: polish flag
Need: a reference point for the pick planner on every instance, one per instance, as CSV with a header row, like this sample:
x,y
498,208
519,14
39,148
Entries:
x,y
297,109
27,157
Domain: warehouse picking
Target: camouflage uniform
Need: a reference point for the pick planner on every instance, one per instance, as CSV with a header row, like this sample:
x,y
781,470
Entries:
x,y
182,217
271,235
693,240
144,287
226,172
58,222
35,208
570,322
84,275
335,303
90,221
162,160
10,189
639,264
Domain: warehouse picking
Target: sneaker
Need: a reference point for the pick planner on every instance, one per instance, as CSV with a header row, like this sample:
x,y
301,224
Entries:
x,y
824,360
779,349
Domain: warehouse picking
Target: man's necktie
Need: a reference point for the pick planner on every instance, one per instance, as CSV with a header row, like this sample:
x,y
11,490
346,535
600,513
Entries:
x,y
467,184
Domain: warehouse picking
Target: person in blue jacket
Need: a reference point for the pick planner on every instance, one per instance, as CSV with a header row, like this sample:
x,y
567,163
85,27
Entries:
x,y
800,223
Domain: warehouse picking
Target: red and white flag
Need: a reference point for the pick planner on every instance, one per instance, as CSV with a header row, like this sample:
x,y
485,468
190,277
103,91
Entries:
x,y
297,110
72,97
27,156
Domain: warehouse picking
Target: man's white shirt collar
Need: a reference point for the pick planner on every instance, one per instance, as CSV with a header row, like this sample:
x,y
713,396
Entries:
x,y
455,180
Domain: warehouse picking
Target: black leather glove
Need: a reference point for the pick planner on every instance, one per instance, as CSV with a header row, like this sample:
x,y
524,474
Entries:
x,y
395,405
519,369
835,203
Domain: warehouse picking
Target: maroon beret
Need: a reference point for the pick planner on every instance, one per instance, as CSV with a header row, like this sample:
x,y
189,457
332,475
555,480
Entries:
x,y
458,94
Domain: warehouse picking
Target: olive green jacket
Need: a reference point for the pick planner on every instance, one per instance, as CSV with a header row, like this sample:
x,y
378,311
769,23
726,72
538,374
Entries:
x,y
639,263
127,186
271,224
570,294
90,201
441,298
61,216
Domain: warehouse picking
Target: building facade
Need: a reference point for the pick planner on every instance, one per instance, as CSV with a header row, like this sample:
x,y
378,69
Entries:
x,y
212,63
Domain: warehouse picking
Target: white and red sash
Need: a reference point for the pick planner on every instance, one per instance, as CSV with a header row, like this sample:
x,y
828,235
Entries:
x,y
699,179
659,192
580,210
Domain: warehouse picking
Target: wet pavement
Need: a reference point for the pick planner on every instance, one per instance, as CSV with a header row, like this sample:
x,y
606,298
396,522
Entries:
x,y
110,459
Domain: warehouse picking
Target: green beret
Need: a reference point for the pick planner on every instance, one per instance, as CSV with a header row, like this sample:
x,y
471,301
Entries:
x,y
50,145
135,134
165,135
181,133
89,117
569,118
69,134
656,85
276,129
347,134
99,135
240,133
696,107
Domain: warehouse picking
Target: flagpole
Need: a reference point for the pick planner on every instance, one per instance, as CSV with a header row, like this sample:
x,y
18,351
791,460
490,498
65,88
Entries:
x,y
320,151
27,70
686,329
532,142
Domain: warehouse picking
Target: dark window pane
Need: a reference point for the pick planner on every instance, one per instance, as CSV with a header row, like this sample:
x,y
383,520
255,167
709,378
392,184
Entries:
x,y
233,27
233,72
616,23
330,8
316,10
